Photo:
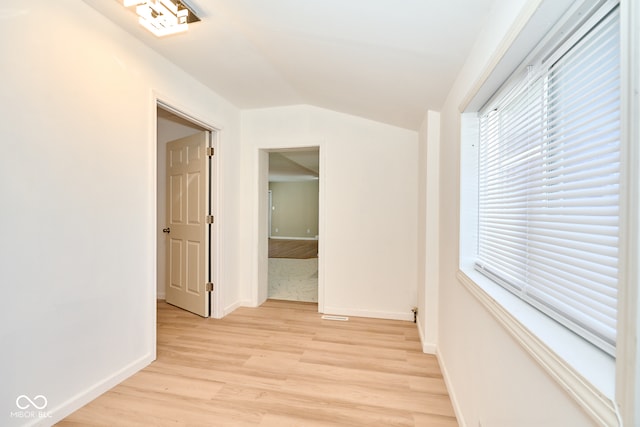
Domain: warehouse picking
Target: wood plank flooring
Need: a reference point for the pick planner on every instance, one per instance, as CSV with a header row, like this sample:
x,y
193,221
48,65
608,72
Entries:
x,y
298,249
278,365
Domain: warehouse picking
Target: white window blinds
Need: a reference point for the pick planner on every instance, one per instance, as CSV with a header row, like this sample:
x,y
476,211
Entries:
x,y
549,183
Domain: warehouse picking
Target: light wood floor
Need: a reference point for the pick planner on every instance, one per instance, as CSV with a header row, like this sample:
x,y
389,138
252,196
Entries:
x,y
278,365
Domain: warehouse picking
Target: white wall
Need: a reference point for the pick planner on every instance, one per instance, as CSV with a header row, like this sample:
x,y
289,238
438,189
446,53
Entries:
x,y
77,222
492,380
368,207
428,230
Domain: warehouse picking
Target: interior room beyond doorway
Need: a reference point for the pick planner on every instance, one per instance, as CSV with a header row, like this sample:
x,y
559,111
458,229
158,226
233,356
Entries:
x,y
293,225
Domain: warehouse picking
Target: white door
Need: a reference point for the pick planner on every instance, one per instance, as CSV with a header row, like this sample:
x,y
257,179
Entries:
x,y
187,228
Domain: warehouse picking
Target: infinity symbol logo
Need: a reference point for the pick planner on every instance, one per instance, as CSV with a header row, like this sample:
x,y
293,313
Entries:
x,y
23,402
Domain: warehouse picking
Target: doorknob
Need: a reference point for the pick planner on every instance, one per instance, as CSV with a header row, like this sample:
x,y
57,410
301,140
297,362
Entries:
x,y
166,230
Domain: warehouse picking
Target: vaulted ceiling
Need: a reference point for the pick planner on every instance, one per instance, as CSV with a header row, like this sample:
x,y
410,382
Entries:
x,y
386,60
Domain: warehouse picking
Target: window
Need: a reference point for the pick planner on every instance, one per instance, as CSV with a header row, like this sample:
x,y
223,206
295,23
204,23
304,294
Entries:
x,y
548,181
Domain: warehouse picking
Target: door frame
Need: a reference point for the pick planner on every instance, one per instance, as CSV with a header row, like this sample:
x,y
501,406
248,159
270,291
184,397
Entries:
x,y
270,214
214,247
261,237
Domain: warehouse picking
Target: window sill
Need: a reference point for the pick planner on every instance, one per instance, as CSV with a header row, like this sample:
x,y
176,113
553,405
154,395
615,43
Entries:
x,y
584,371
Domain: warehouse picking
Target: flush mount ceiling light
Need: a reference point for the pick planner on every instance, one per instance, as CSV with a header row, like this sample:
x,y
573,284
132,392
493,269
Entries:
x,y
163,17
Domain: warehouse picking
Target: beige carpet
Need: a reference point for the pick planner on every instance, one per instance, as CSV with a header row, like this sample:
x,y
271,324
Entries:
x,y
293,279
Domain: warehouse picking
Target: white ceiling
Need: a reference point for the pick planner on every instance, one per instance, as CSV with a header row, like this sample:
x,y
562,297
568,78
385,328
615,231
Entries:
x,y
386,60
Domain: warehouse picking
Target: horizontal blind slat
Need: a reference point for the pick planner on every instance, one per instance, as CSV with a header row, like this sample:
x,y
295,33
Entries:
x,y
549,183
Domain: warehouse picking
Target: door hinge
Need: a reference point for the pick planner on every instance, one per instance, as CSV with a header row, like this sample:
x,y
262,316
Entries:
x,y
209,219
210,151
208,287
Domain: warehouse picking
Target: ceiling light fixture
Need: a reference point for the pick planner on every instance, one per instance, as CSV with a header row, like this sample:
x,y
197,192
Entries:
x,y
163,17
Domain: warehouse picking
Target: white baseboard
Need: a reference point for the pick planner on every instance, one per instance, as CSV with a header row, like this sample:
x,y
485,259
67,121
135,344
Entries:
x,y
231,308
452,393
367,313
161,295
428,348
79,400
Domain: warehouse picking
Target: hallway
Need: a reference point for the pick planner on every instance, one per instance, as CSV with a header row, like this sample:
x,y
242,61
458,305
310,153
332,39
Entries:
x,y
279,364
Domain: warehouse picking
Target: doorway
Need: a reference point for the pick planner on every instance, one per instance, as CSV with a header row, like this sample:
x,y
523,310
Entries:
x,y
293,230
194,265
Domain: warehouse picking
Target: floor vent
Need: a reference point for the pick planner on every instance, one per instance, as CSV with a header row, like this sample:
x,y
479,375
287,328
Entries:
x,y
340,318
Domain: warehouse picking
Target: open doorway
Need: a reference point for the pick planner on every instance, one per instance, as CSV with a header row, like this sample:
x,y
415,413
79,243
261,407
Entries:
x,y
293,211
195,259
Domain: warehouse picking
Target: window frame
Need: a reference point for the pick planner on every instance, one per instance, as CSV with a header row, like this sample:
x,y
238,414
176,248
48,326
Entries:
x,y
525,92
607,388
